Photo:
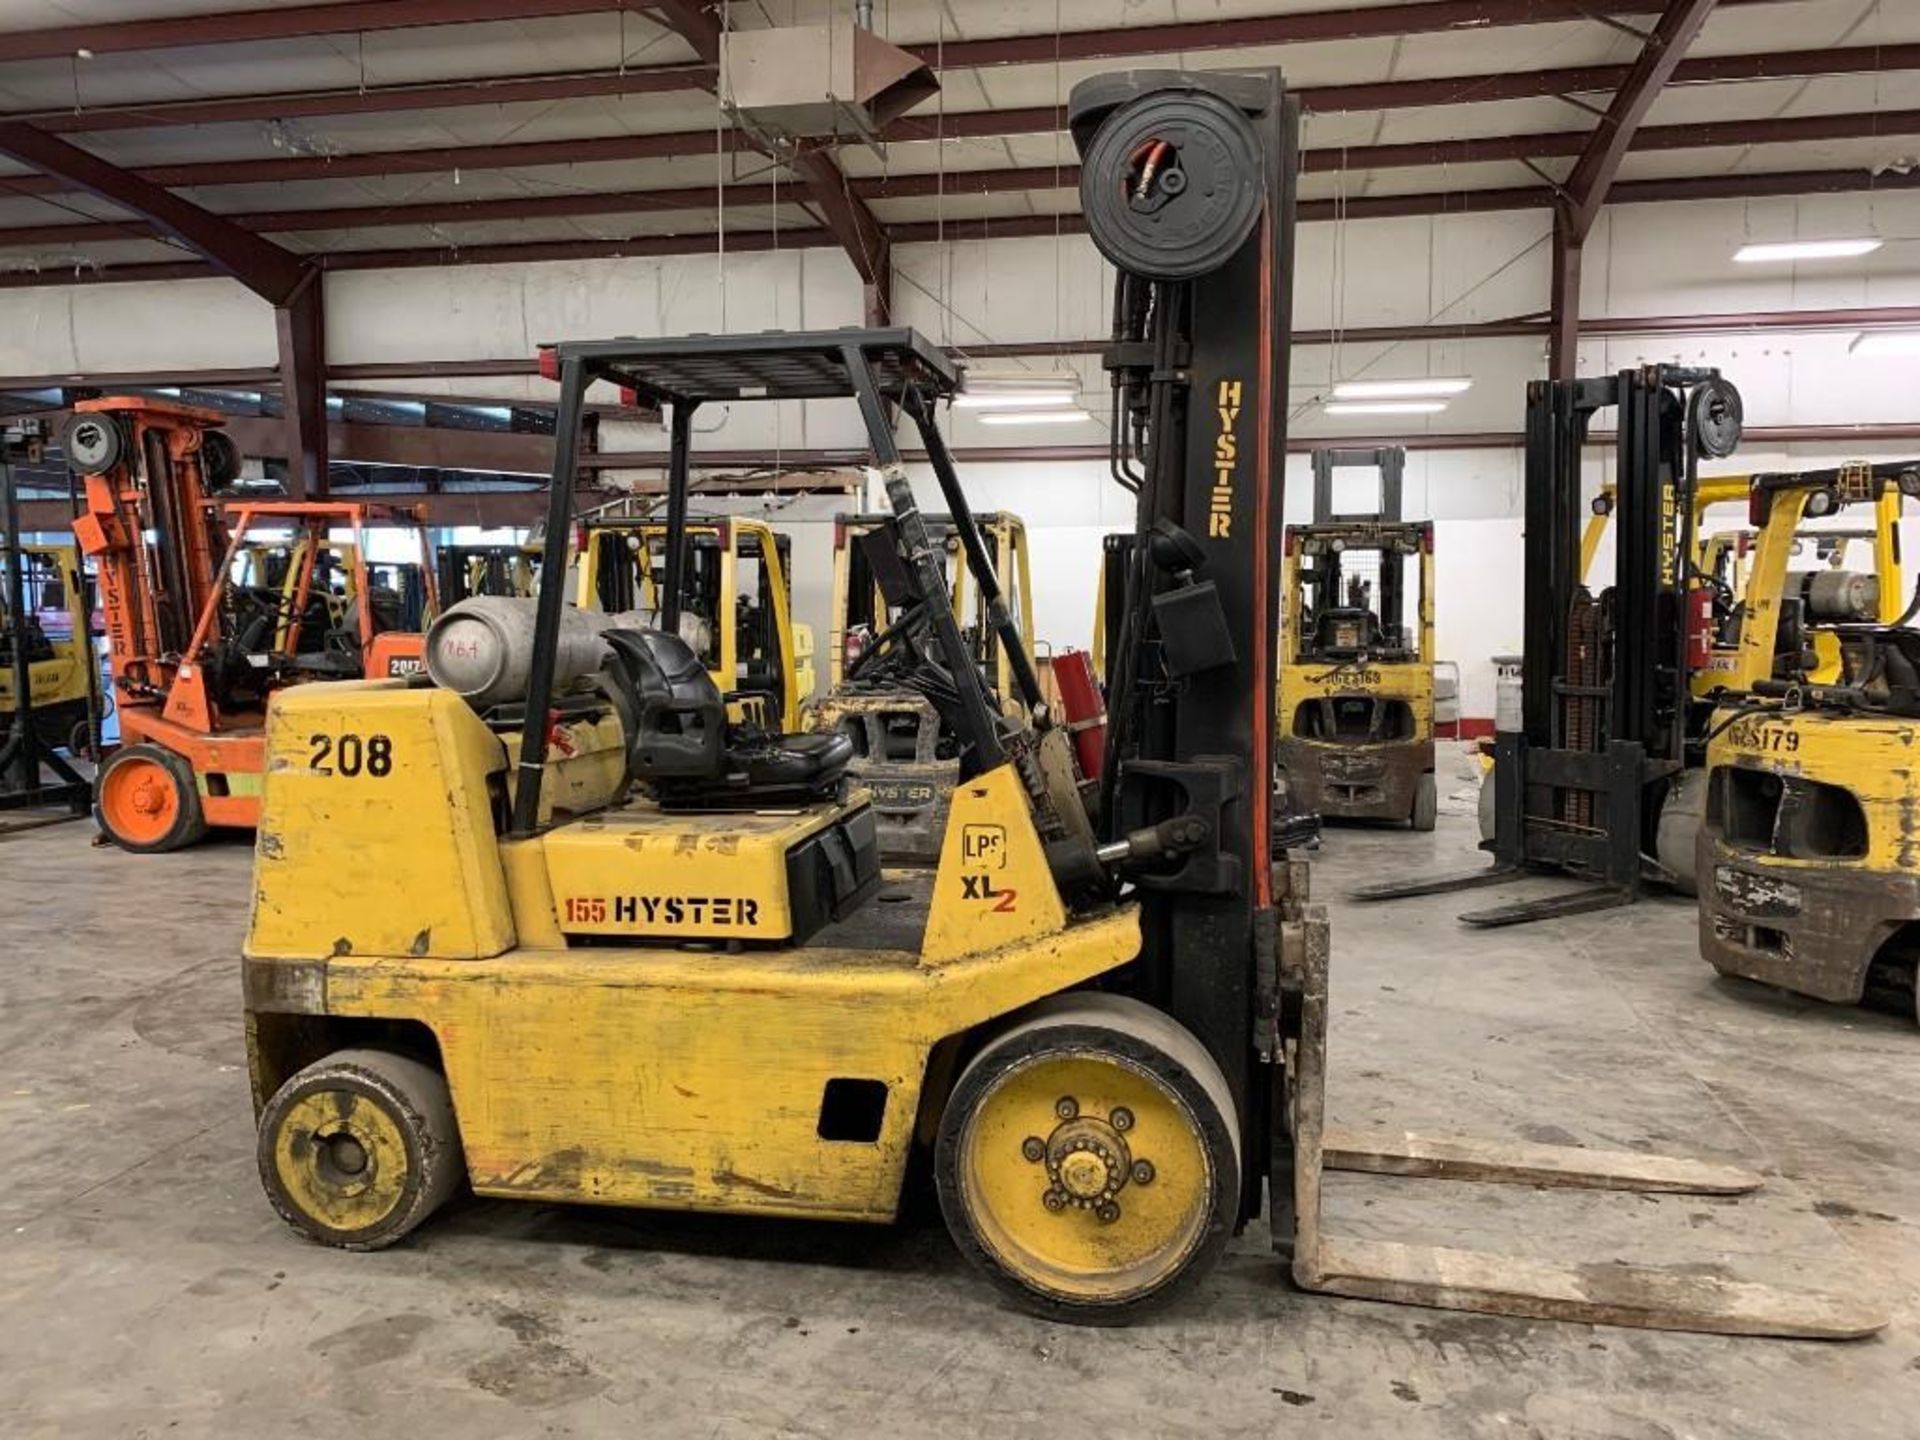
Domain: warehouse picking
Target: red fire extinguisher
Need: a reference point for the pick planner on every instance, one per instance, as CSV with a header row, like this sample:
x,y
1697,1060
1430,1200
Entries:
x,y
1084,709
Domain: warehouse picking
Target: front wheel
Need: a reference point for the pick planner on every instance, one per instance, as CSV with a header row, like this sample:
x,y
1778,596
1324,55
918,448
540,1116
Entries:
x,y
1089,1160
145,800
359,1148
1426,803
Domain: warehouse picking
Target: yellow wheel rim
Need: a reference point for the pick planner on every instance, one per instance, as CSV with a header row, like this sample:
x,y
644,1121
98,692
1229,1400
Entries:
x,y
1086,1176
341,1159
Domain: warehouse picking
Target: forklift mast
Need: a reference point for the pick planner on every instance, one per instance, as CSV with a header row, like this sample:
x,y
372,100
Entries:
x,y
1638,703
150,525
1390,461
1607,710
1199,351
1327,583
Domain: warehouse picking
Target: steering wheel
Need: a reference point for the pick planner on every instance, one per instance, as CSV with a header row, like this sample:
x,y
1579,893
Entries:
x,y
903,632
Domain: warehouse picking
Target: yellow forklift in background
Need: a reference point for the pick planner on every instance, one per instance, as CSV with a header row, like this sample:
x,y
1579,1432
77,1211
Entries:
x,y
1807,855
736,602
626,953
1355,703
1709,491
1715,586
506,570
62,664
887,694
1731,616
277,571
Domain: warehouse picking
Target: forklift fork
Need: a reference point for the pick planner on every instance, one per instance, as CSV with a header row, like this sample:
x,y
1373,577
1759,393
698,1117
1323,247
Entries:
x,y
1451,1278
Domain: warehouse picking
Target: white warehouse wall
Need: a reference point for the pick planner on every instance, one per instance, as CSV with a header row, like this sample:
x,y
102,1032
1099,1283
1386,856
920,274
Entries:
x,y
1642,260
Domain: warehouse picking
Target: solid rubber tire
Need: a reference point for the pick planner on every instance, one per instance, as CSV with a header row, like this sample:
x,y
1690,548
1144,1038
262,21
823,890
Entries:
x,y
1426,802
416,1098
1140,1033
189,827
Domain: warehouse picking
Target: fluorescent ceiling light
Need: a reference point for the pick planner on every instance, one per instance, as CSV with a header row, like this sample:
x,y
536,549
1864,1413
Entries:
x,y
1398,389
1886,342
988,387
1385,407
1805,250
1036,417
1015,399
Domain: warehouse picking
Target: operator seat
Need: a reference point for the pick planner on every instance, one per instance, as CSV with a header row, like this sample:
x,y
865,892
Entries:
x,y
684,750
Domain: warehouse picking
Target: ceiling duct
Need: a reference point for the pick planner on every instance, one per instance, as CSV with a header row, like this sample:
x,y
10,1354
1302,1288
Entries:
x,y
836,80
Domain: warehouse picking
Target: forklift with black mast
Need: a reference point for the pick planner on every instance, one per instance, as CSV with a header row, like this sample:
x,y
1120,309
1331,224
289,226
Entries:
x,y
1103,1031
1611,723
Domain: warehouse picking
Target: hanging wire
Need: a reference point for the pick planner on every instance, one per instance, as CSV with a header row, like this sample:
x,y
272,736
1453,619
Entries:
x,y
1058,101
720,183
1298,410
940,181
1337,302
779,406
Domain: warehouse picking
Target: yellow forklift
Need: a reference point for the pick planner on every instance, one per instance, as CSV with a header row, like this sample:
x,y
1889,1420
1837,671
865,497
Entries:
x,y
626,953
1716,582
735,583
892,700
507,570
62,665
49,676
1355,716
1808,850
274,572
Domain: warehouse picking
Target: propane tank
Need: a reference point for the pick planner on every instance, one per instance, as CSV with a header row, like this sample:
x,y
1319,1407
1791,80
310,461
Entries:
x,y
1840,595
482,648
1509,715
1699,628
1085,711
853,646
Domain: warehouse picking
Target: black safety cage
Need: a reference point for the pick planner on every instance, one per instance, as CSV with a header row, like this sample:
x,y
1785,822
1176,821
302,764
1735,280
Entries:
x,y
877,369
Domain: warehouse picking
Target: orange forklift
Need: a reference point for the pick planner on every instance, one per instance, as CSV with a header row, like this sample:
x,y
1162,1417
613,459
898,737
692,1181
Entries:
x,y
195,652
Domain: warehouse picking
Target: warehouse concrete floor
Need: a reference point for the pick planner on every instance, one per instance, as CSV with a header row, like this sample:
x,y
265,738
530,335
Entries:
x,y
146,1289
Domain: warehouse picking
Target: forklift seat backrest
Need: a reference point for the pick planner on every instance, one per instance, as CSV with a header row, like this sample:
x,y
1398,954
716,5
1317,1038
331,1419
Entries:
x,y
682,745
681,717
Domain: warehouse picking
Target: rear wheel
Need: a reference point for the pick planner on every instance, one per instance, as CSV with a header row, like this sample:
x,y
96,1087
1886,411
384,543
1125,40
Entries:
x,y
1678,830
1426,802
1089,1159
359,1148
145,800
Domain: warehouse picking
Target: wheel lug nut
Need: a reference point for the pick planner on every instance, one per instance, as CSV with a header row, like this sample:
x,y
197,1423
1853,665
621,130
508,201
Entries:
x,y
1108,1212
1033,1148
1122,1119
1054,1200
1066,1107
1143,1172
